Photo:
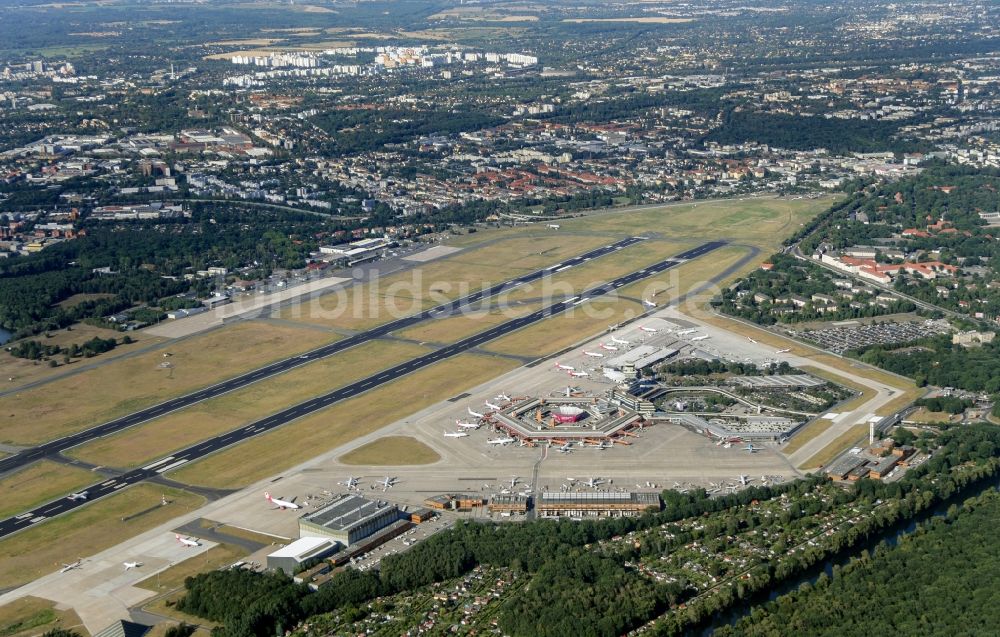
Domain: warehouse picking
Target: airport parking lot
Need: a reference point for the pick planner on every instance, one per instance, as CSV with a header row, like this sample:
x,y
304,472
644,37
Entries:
x,y
844,338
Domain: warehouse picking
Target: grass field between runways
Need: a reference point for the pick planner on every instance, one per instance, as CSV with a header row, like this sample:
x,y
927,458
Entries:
x,y
90,529
140,445
324,431
122,386
39,483
391,451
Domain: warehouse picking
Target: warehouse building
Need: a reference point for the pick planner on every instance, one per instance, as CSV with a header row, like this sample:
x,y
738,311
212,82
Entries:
x,y
289,558
597,504
348,519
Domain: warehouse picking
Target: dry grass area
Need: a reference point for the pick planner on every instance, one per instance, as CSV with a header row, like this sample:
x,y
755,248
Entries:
x,y
299,441
139,445
806,434
668,286
212,559
33,616
38,483
449,330
125,385
558,332
924,416
20,371
847,439
391,451
643,20
88,530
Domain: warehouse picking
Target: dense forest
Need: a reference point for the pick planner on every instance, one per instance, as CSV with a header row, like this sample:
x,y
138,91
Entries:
x,y
935,582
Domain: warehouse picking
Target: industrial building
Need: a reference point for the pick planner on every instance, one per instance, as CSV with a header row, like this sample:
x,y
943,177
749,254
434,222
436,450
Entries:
x,y
554,504
289,558
508,503
349,519
455,502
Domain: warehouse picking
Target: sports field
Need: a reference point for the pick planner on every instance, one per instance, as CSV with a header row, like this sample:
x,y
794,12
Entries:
x,y
391,451
125,385
140,445
38,483
88,530
303,439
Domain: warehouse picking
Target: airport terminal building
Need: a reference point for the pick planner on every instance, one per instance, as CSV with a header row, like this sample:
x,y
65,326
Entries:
x,y
349,519
604,504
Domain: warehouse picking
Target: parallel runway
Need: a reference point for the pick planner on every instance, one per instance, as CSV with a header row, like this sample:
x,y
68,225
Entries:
x,y
441,311
204,448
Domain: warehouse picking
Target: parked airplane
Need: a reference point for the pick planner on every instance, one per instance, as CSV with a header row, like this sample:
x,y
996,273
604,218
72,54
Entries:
x,y
594,354
594,482
751,340
554,226
744,480
703,337
782,351
71,566
620,341
455,434
187,541
567,368
513,481
281,504
648,303
82,495
750,448
467,425
612,328
578,374
566,448
687,331
475,414
504,397
610,348
650,330
500,441
131,565
350,482
490,405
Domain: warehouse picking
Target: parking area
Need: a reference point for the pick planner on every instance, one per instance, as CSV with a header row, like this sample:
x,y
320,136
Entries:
x,y
846,337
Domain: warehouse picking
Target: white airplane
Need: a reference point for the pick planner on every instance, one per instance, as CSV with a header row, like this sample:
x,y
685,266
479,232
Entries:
x,y
610,348
612,328
500,441
475,414
578,374
782,351
687,331
566,448
504,397
648,303
567,368
455,434
751,340
650,330
620,341
744,480
71,566
82,495
751,449
554,226
593,354
513,481
703,337
281,504
187,541
490,405
350,482
131,565
467,425
388,482
593,482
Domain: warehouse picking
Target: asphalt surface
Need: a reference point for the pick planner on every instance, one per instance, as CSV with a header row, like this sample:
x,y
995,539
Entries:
x,y
441,311
212,445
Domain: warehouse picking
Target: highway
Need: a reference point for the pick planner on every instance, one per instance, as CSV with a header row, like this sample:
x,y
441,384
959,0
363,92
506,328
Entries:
x,y
155,411
199,450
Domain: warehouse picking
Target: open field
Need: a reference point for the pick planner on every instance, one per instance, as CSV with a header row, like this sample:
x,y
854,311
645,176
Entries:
x,y
123,386
553,334
855,434
644,20
140,445
33,616
88,530
807,433
303,439
391,451
77,299
923,416
668,286
454,328
212,559
38,483
21,371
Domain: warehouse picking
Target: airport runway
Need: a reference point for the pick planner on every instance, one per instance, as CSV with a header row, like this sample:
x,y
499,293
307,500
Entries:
x,y
441,311
206,447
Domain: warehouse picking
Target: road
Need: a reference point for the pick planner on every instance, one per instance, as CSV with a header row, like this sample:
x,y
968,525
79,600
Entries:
x,y
441,311
199,450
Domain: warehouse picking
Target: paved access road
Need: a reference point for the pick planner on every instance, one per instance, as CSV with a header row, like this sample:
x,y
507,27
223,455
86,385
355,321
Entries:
x,y
206,447
441,311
